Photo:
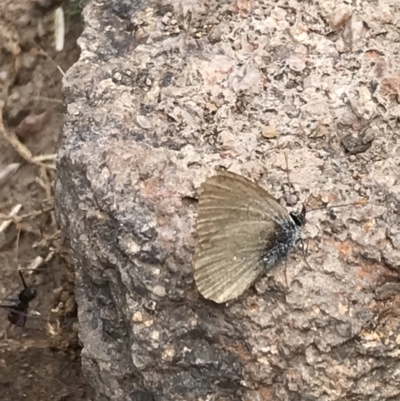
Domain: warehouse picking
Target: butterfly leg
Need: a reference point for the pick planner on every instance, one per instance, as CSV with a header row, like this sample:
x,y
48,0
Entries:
x,y
286,275
304,250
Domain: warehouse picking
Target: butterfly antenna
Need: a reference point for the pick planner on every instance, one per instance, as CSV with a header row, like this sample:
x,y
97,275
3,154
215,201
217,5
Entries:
x,y
16,258
360,202
22,278
17,246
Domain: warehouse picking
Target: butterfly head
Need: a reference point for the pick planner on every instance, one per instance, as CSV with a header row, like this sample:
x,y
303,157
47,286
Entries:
x,y
299,217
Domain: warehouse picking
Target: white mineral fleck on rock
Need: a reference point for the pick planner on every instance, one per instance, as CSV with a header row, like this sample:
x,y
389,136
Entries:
x,y
159,290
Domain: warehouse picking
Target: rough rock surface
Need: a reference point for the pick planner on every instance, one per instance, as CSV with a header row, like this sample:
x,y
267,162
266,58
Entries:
x,y
164,92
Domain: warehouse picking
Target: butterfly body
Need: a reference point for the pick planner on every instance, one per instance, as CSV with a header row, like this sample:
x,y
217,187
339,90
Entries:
x,y
283,241
241,232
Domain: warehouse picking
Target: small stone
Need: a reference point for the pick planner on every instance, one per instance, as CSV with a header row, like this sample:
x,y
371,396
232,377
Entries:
x,y
385,13
269,132
143,122
325,199
320,131
214,36
354,30
137,317
160,291
132,246
3,76
168,353
165,19
28,61
339,17
369,136
342,309
212,108
32,125
354,144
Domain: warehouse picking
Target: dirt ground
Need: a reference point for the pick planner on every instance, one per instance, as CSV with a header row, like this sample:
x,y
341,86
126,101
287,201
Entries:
x,y
40,361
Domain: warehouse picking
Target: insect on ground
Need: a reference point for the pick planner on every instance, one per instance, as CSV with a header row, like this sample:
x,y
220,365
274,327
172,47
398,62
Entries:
x,y
17,307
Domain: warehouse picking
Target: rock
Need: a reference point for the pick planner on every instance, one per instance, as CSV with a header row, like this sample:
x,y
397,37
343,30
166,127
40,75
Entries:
x,y
355,144
140,137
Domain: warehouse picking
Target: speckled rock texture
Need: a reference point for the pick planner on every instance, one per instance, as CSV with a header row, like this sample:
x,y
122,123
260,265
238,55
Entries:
x,y
165,92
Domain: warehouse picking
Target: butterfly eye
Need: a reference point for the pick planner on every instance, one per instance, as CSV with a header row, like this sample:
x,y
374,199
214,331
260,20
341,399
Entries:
x,y
299,217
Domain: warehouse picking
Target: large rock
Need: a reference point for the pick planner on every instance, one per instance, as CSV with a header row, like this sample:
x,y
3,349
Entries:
x,y
163,93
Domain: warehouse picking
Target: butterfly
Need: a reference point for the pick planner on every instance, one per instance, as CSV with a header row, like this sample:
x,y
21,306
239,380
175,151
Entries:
x,y
241,232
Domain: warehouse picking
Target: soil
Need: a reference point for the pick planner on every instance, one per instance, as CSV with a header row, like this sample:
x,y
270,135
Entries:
x,y
41,360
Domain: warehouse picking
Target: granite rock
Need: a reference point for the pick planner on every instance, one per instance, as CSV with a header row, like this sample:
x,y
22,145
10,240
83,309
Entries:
x,y
163,93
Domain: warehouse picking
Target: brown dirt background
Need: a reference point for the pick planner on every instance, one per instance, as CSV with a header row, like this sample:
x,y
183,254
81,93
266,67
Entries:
x,y
42,361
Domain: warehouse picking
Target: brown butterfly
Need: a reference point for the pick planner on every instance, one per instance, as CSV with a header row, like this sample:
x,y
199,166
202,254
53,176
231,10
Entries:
x,y
241,232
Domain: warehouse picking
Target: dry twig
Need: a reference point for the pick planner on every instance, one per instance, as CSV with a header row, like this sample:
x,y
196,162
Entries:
x,y
9,219
6,172
23,151
19,219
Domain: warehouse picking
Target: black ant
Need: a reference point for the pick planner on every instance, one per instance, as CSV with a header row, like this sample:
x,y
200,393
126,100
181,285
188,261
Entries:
x,y
18,312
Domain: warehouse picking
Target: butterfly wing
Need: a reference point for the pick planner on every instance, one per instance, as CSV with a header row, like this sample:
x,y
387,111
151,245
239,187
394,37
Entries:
x,y
235,226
